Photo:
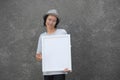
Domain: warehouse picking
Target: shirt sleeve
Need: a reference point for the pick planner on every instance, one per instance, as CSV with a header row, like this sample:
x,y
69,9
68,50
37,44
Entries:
x,y
39,47
64,31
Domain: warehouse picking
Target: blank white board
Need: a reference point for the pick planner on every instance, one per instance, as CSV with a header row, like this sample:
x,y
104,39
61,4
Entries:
x,y
56,53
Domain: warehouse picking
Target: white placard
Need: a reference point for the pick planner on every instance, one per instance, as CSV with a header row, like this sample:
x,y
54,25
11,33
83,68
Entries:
x,y
56,53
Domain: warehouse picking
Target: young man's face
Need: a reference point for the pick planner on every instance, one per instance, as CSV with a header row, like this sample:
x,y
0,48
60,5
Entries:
x,y
51,21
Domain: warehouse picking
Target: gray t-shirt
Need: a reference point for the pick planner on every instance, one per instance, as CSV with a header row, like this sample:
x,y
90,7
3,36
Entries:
x,y
39,48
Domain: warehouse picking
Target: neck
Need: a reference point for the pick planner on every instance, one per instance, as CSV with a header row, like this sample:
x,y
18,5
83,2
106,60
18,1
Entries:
x,y
50,31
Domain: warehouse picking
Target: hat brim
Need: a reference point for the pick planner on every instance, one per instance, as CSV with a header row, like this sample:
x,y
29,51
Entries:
x,y
52,15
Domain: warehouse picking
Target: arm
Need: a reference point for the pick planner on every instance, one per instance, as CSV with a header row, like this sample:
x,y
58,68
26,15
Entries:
x,y
39,50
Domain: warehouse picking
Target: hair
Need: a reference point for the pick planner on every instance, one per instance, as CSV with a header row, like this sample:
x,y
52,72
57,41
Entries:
x,y
45,18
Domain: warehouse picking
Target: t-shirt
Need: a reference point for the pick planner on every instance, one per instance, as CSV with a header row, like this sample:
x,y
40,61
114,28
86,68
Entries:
x,y
39,48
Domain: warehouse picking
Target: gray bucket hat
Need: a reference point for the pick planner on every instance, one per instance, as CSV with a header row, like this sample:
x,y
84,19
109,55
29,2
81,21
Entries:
x,y
53,12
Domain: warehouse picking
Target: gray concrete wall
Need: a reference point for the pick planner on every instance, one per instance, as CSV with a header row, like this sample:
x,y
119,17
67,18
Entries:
x,y
94,26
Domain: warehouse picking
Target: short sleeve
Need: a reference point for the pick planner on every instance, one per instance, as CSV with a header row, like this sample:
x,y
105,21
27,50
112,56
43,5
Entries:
x,y
64,31
39,47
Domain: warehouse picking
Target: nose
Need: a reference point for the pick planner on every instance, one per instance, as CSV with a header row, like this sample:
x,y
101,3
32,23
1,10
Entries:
x,y
52,22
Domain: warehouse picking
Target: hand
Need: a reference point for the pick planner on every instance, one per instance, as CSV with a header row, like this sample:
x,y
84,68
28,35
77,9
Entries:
x,y
67,70
38,57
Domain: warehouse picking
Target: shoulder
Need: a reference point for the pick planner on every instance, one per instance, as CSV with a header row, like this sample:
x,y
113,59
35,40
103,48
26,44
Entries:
x,y
62,31
42,34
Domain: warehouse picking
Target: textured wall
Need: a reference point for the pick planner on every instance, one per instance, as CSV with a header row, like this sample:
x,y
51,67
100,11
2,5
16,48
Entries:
x,y
94,26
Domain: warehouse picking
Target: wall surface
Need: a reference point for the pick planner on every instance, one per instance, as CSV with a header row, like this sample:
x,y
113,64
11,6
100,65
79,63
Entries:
x,y
94,26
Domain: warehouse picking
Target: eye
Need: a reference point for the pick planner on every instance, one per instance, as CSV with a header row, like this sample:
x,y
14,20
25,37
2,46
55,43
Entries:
x,y
54,20
49,19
